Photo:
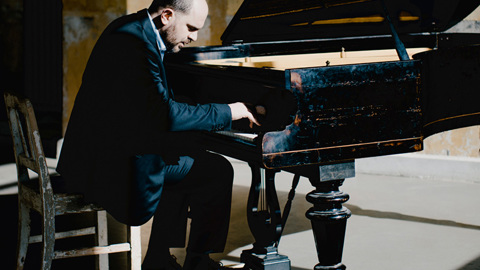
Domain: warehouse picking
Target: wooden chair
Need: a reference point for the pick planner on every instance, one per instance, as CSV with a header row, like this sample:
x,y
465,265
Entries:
x,y
42,195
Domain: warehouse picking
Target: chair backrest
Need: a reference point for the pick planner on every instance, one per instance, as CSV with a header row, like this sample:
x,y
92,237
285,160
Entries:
x,y
27,145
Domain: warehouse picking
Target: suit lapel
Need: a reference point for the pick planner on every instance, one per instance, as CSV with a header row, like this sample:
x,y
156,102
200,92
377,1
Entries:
x,y
152,38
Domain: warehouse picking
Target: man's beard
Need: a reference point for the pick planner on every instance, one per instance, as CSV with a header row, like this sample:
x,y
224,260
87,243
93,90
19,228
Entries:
x,y
170,46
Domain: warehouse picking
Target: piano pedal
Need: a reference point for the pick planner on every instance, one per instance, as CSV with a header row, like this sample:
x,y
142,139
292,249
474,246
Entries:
x,y
235,266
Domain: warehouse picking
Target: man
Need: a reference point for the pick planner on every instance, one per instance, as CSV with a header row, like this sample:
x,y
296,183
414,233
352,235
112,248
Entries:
x,y
127,138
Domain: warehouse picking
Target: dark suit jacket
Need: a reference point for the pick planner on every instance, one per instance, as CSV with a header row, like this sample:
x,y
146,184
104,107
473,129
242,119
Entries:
x,y
125,120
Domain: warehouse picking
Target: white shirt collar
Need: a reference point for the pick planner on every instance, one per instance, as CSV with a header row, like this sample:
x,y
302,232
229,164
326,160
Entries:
x,y
160,43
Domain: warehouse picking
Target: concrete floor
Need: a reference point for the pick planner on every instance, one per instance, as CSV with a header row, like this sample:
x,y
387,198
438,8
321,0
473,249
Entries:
x,y
397,223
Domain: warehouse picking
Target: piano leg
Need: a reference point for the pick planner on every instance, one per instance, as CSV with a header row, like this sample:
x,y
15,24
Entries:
x,y
329,218
265,222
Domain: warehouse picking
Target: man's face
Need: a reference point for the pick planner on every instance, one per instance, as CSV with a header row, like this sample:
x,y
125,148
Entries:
x,y
183,28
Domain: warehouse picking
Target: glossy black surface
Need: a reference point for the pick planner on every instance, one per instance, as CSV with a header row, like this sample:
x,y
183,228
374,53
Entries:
x,y
449,88
327,115
280,20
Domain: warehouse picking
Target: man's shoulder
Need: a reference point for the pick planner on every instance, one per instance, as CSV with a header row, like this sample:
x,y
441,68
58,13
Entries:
x,y
128,24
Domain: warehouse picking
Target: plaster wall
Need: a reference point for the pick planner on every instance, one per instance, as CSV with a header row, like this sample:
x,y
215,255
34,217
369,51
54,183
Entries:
x,y
83,22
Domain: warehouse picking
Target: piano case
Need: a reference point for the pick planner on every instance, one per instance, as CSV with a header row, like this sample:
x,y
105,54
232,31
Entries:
x,y
323,110
326,111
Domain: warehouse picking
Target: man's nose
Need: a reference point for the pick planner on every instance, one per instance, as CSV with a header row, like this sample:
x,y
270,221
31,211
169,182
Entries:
x,y
193,36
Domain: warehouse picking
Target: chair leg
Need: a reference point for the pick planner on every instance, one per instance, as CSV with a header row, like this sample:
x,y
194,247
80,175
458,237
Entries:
x,y
23,234
102,239
48,235
134,237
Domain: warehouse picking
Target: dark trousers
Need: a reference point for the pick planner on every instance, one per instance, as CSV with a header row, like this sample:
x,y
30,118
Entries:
x,y
204,195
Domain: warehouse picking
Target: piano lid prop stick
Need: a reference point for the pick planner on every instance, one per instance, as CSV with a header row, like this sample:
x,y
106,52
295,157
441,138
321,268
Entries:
x,y
399,46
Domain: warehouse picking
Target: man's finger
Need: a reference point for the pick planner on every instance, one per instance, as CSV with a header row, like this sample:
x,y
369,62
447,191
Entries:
x,y
253,120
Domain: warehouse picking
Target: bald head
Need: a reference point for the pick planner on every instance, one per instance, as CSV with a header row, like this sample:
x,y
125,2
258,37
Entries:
x,y
199,11
201,5
178,21
178,5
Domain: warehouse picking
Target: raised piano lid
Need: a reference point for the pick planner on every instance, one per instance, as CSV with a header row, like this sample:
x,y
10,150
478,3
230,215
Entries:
x,y
287,20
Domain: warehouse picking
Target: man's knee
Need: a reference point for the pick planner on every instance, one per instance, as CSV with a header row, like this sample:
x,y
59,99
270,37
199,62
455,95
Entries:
x,y
225,164
216,167
222,167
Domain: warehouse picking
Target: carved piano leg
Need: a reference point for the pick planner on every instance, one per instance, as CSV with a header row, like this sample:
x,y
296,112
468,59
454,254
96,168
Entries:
x,y
265,222
328,216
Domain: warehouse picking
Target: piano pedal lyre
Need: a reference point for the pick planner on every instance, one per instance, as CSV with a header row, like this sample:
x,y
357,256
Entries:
x,y
266,223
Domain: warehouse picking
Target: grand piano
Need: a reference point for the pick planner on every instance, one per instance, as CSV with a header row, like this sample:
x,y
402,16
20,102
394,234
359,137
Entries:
x,y
304,68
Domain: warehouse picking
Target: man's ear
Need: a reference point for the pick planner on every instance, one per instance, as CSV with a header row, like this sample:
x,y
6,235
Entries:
x,y
167,16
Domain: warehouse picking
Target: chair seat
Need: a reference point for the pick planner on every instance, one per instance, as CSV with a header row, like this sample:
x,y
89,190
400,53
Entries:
x,y
65,203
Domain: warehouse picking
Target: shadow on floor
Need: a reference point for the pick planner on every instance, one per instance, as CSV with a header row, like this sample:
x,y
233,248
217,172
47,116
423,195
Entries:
x,y
397,216
240,236
473,265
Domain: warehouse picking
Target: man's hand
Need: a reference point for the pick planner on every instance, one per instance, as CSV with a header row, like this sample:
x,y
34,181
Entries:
x,y
239,111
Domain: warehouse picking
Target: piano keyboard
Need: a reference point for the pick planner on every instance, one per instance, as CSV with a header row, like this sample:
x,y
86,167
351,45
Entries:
x,y
249,137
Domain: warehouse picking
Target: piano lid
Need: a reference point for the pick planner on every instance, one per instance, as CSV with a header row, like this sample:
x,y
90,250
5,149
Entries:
x,y
283,20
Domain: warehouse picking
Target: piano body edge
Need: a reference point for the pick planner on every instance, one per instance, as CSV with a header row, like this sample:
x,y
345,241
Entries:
x,y
351,111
